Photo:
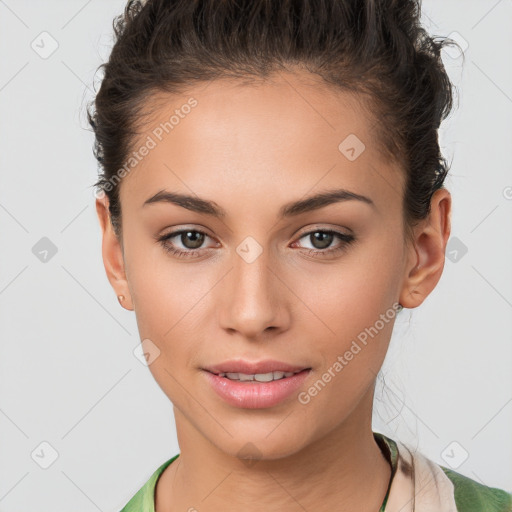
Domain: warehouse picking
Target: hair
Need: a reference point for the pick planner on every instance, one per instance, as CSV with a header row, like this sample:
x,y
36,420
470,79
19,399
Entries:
x,y
375,49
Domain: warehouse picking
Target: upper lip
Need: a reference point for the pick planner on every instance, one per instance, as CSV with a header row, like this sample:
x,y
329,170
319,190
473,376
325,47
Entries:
x,y
251,368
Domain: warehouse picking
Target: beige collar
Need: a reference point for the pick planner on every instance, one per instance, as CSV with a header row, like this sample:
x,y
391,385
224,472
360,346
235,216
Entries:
x,y
419,485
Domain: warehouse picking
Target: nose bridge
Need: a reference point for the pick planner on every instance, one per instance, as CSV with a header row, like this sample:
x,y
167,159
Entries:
x,y
252,304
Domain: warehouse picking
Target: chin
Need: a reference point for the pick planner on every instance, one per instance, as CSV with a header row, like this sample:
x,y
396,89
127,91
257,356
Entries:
x,y
261,446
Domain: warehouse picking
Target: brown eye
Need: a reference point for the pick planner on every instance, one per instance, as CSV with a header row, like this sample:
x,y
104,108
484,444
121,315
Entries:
x,y
192,239
321,239
185,243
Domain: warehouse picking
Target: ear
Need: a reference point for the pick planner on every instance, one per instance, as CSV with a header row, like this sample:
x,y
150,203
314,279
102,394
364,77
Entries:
x,y
427,255
112,253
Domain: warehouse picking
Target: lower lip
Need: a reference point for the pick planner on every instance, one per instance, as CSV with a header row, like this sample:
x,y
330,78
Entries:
x,y
254,394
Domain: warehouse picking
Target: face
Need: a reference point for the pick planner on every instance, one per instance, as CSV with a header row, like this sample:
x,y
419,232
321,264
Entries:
x,y
314,286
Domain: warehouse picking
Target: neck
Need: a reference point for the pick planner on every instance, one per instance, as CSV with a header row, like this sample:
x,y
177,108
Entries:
x,y
343,470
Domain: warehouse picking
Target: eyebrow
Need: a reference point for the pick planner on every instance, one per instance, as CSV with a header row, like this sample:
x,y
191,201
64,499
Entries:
x,y
311,203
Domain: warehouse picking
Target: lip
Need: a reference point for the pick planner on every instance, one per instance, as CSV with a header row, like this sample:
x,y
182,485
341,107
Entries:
x,y
254,394
248,367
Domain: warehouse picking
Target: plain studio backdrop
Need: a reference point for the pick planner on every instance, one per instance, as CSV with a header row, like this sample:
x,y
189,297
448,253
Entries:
x,y
83,424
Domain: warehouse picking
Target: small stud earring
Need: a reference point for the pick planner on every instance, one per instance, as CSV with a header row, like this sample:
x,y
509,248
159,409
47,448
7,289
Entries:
x,y
120,298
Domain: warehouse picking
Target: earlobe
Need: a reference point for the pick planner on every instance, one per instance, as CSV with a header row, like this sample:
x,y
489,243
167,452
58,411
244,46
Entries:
x,y
112,254
427,256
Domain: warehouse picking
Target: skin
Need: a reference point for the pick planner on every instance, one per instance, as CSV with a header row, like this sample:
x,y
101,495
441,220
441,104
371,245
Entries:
x,y
251,149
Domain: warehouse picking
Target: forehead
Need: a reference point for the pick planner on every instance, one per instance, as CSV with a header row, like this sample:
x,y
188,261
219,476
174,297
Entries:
x,y
289,132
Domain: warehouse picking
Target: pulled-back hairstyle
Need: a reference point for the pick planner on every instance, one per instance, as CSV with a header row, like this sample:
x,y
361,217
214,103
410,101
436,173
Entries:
x,y
374,48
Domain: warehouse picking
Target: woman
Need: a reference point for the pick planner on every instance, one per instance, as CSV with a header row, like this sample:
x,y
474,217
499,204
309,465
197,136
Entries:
x,y
271,197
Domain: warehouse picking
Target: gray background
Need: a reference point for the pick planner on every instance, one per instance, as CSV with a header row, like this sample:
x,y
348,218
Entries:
x,y
68,375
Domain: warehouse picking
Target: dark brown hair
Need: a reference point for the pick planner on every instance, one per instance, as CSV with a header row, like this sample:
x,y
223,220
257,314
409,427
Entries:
x,y
374,48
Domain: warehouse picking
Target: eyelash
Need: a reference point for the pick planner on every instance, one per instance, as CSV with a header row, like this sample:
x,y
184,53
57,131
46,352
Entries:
x,y
346,239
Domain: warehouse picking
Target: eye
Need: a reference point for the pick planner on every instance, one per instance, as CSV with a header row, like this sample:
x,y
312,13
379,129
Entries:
x,y
190,239
322,239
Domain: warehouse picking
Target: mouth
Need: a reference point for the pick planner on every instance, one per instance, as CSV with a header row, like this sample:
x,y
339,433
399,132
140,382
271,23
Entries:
x,y
255,371
255,385
258,377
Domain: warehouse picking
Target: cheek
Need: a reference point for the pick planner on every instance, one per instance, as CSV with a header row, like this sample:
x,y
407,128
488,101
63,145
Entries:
x,y
349,336
162,291
168,309
171,304
168,305
355,292
350,308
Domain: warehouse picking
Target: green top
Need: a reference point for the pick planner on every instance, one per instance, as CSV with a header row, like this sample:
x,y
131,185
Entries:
x,y
468,495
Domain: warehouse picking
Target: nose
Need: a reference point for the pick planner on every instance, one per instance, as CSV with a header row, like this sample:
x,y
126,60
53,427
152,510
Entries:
x,y
254,299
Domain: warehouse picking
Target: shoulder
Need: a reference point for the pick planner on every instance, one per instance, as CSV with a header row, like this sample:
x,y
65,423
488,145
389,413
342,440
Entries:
x,y
472,496
144,499
441,488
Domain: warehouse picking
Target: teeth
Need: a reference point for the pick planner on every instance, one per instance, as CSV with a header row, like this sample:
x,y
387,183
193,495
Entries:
x,y
259,377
